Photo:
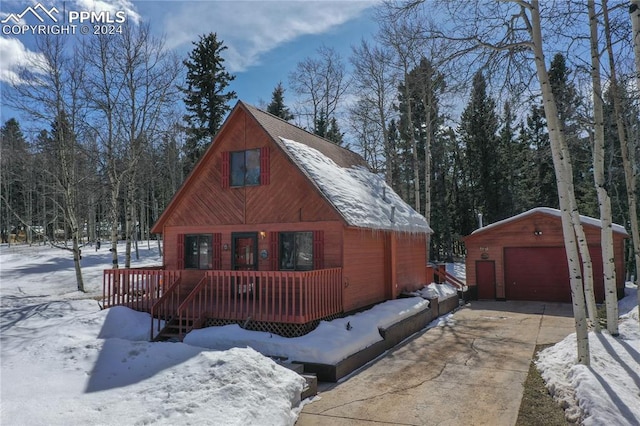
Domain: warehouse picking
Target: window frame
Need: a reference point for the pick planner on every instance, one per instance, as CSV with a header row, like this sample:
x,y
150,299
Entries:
x,y
294,255
255,178
210,251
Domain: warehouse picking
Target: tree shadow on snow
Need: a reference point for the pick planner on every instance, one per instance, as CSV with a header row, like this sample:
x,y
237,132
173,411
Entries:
x,y
14,316
614,355
123,362
625,411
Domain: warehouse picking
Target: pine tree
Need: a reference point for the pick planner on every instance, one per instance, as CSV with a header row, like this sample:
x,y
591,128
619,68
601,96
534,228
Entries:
x,y
333,132
321,125
543,178
14,153
277,106
510,158
206,98
478,129
568,102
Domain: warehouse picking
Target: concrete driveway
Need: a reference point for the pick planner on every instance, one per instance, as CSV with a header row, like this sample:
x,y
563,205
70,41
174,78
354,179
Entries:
x,y
468,373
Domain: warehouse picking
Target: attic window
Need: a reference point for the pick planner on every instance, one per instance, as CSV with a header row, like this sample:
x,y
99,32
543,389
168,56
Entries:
x,y
245,167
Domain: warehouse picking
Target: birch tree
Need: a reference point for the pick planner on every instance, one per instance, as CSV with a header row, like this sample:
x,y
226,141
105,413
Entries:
x,y
149,75
48,89
322,82
103,93
376,84
561,162
511,32
402,35
627,149
634,14
604,201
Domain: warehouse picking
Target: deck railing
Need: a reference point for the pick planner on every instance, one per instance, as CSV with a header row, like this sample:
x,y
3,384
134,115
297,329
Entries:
x,y
138,289
443,276
269,296
165,308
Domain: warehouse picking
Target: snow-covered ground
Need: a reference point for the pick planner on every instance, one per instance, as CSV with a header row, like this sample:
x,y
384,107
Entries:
x,y
65,361
607,392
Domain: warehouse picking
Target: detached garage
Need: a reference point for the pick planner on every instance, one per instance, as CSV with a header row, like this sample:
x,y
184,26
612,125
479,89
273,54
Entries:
x,y
523,258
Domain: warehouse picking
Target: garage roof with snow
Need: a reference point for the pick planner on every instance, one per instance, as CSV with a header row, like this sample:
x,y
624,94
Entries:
x,y
586,220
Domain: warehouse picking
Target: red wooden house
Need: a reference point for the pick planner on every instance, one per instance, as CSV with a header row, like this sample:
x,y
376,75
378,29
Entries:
x,y
276,229
523,258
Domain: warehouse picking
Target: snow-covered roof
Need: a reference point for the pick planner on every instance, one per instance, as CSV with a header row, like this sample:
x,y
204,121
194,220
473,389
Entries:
x,y
362,197
585,220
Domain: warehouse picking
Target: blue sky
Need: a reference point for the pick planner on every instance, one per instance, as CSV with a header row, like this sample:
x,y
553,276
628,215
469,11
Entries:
x,y
265,39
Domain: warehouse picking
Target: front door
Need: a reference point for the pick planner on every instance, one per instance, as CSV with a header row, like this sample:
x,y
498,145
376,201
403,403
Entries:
x,y
486,279
245,251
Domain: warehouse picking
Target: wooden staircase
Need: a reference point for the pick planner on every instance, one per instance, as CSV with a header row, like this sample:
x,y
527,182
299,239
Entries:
x,y
174,330
171,316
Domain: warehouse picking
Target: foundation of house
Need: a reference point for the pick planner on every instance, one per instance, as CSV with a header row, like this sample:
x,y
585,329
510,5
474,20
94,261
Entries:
x,y
391,336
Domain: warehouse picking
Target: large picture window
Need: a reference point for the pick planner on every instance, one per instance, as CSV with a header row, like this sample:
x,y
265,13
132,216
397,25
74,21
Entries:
x,y
198,251
245,167
296,251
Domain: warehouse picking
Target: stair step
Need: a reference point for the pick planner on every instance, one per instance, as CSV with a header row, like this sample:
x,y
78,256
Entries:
x,y
311,387
173,329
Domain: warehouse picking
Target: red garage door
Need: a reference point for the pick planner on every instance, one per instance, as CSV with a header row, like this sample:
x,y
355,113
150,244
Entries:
x,y
536,273
541,273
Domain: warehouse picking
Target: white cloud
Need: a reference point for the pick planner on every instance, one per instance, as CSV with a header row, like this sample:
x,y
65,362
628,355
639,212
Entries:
x,y
15,55
109,6
250,29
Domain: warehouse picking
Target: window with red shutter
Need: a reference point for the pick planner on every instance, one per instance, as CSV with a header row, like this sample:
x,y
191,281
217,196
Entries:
x,y
273,248
224,172
318,249
264,166
217,251
198,251
180,251
295,251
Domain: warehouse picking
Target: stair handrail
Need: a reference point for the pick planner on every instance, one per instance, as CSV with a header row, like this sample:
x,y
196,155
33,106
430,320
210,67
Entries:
x,y
188,306
454,280
445,276
160,308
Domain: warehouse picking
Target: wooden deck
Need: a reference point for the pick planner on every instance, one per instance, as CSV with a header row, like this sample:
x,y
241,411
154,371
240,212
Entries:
x,y
266,296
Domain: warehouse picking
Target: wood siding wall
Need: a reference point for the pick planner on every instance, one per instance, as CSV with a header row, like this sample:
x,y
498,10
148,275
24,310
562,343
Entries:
x,y
372,258
363,272
288,198
332,243
411,261
490,245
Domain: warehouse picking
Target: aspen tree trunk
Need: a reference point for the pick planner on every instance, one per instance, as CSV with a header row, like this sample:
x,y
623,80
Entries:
x,y
604,201
581,238
556,137
626,145
130,218
427,158
156,215
113,213
634,11
634,14
412,139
